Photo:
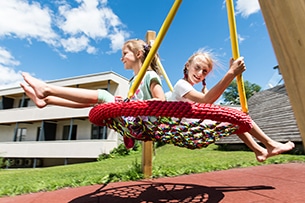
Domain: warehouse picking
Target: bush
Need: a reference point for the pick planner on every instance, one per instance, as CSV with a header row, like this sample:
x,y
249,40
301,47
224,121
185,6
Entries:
x,y
121,150
2,164
104,156
159,144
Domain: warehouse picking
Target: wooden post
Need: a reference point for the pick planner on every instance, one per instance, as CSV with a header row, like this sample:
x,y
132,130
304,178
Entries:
x,y
285,20
147,146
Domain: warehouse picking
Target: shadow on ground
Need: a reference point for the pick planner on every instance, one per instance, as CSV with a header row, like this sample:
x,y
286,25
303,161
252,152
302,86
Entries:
x,y
162,192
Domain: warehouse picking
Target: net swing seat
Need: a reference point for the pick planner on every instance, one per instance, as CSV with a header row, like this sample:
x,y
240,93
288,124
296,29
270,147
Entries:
x,y
180,123
170,122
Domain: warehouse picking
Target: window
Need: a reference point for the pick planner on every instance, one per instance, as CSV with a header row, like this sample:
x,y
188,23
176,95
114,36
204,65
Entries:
x,y
48,133
24,102
20,135
6,103
98,132
66,132
38,138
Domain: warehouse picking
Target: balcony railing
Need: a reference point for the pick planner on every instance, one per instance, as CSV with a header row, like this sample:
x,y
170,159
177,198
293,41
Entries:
x,y
57,149
28,114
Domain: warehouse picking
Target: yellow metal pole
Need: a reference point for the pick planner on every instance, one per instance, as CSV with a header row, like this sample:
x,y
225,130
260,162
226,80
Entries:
x,y
235,52
165,75
154,48
151,42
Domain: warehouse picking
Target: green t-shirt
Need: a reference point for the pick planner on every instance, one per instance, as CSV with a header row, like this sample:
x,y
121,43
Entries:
x,y
143,91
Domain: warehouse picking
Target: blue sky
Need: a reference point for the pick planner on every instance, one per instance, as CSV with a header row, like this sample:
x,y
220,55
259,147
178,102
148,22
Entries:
x,y
66,38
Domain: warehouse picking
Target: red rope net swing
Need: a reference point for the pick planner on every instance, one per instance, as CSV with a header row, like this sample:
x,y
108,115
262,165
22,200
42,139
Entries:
x,y
179,123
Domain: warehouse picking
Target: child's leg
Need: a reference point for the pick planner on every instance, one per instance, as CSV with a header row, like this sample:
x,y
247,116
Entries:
x,y
260,152
79,95
31,94
40,88
273,147
52,100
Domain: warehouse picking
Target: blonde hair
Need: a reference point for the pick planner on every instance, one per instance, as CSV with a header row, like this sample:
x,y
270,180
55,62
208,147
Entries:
x,y
207,54
136,45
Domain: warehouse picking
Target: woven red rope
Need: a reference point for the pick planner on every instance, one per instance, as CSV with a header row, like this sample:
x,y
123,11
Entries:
x,y
102,112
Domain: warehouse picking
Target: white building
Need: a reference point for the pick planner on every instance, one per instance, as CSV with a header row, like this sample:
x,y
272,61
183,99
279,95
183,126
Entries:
x,y
33,137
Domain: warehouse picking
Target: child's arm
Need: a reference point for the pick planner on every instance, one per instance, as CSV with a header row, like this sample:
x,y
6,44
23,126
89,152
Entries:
x,y
157,91
215,92
51,100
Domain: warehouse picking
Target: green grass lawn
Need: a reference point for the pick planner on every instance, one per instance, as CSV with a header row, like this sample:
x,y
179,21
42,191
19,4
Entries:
x,y
168,161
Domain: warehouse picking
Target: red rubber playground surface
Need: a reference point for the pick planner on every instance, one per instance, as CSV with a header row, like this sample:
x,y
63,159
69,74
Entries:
x,y
269,183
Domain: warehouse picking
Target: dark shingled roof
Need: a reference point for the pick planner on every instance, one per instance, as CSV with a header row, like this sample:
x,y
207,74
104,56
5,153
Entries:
x,y
272,112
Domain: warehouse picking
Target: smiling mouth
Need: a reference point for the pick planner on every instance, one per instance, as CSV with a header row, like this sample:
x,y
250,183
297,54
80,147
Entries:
x,y
197,78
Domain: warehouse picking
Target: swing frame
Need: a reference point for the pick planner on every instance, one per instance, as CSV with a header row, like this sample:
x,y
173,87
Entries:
x,y
96,118
154,47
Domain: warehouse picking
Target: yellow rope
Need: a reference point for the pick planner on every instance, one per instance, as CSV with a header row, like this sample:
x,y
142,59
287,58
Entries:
x,y
165,76
154,48
235,52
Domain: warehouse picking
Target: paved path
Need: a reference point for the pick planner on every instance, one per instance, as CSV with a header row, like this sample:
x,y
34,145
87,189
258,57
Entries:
x,y
275,183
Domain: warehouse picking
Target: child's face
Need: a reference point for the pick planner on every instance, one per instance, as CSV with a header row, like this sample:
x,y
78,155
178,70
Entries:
x,y
198,69
128,58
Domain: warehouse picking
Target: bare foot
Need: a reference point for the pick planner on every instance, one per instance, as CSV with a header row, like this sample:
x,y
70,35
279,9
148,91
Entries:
x,y
262,155
40,88
278,148
40,103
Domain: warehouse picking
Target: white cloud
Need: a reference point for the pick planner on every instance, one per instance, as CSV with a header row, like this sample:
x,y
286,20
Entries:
x,y
94,20
86,19
247,7
6,58
8,76
240,38
90,19
74,44
68,29
20,19
117,40
91,50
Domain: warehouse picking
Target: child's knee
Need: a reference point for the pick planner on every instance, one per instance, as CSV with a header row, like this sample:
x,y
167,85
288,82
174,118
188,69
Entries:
x,y
104,96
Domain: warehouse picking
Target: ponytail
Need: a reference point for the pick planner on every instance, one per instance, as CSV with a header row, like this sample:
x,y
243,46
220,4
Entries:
x,y
136,45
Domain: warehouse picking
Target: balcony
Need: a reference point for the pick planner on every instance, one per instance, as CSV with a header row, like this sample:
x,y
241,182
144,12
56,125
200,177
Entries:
x,y
30,114
57,149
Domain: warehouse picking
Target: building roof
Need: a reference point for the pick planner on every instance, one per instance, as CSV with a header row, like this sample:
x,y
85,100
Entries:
x,y
272,111
71,81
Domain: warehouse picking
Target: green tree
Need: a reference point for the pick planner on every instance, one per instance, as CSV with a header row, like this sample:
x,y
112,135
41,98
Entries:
x,y
231,95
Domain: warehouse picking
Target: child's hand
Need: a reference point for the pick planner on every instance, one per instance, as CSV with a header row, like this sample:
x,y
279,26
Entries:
x,y
237,66
118,99
155,99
